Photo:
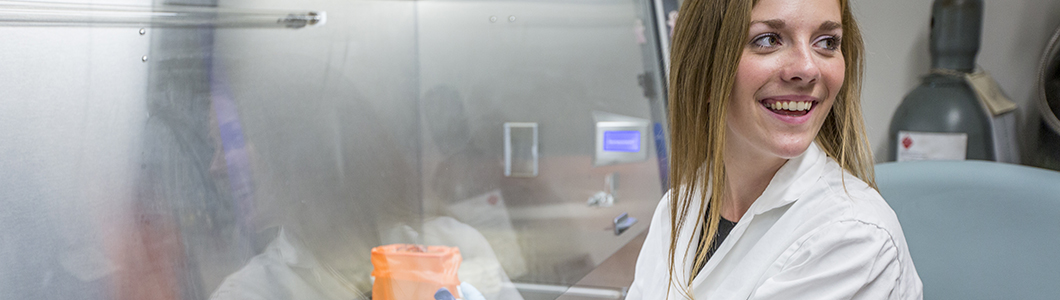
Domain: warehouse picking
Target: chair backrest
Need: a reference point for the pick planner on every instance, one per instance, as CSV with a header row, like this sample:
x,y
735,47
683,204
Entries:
x,y
978,230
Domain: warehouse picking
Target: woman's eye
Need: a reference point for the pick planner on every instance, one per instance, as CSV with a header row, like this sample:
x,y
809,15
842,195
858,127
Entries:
x,y
828,43
768,40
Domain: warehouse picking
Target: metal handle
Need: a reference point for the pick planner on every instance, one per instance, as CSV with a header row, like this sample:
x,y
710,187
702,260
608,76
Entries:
x,y
623,222
24,13
577,292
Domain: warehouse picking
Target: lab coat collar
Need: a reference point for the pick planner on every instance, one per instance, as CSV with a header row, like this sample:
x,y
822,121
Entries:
x,y
782,190
291,251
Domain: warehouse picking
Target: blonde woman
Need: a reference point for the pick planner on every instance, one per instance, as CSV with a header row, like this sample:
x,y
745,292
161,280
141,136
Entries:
x,y
772,193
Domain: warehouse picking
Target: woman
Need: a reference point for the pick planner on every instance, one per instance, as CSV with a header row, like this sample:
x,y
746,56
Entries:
x,y
772,193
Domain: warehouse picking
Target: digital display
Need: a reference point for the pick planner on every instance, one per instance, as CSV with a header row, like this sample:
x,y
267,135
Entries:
x,y
622,141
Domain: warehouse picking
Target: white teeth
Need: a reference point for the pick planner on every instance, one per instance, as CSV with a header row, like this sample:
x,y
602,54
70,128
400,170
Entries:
x,y
791,105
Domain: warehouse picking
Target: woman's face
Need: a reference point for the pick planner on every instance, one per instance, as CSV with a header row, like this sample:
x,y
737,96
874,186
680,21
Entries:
x,y
788,78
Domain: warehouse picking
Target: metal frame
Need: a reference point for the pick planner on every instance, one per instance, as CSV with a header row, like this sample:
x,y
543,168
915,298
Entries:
x,y
1050,62
25,13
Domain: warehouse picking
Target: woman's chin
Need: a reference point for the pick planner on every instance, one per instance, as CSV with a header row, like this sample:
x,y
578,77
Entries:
x,y
792,150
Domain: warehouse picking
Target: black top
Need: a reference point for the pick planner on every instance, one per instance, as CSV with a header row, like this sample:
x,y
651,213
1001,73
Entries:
x,y
724,227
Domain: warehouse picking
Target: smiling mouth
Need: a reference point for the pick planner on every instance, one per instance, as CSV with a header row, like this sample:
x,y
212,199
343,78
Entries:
x,y
790,108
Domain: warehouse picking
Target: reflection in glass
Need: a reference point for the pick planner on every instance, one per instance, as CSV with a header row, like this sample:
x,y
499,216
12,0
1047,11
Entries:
x,y
267,163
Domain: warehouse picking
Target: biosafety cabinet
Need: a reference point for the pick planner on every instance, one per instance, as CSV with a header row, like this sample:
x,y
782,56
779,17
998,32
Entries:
x,y
232,149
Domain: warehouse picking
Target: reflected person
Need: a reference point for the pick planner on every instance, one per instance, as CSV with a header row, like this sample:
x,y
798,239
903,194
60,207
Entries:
x,y
328,177
466,186
469,184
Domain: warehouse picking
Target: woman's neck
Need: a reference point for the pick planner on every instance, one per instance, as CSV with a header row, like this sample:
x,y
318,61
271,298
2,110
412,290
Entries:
x,y
747,174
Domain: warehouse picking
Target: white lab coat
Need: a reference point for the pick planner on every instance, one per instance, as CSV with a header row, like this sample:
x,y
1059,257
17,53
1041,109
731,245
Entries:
x,y
806,237
285,271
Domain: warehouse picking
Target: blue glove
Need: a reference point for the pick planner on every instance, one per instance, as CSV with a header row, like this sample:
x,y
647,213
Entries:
x,y
443,294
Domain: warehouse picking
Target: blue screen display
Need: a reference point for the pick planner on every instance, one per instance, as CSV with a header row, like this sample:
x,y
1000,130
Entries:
x,y
622,141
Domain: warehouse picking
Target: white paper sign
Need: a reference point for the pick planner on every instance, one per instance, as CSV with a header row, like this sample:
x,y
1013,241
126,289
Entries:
x,y
914,145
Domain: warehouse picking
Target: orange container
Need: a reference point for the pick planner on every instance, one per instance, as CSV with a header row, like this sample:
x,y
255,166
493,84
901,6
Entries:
x,y
413,272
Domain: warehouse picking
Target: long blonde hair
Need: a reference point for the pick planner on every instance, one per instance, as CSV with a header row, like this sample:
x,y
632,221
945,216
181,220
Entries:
x,y
708,41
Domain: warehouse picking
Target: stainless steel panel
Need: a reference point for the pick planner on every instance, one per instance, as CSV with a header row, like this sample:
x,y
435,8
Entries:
x,y
232,150
548,62
331,121
71,119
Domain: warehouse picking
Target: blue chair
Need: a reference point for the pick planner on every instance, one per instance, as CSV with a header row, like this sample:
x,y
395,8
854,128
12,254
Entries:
x,y
976,229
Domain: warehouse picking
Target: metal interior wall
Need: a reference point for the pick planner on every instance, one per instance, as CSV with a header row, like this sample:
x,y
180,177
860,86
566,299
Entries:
x,y
549,62
158,178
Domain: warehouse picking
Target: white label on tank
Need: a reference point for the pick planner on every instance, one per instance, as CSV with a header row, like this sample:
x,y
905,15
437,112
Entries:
x,y
914,145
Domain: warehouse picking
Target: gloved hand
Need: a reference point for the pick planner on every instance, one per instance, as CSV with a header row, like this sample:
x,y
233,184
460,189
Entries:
x,y
443,294
470,292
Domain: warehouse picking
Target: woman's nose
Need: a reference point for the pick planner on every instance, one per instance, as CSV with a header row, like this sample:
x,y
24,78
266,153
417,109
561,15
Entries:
x,y
801,66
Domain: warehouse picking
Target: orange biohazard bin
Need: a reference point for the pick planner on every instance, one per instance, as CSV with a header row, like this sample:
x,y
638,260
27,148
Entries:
x,y
413,272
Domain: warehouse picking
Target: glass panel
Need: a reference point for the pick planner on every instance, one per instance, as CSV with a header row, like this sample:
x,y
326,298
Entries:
x,y
553,63
176,161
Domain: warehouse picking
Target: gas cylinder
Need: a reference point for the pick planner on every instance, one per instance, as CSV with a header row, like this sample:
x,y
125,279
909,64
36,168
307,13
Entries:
x,y
942,118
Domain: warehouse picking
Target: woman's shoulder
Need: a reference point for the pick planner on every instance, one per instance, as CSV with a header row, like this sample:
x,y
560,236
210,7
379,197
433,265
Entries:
x,y
846,197
848,228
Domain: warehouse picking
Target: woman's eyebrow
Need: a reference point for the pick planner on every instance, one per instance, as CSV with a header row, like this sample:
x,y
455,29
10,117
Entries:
x,y
779,24
774,23
829,26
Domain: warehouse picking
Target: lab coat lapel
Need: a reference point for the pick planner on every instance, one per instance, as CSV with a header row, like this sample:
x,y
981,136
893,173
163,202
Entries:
x,y
723,250
791,181
781,191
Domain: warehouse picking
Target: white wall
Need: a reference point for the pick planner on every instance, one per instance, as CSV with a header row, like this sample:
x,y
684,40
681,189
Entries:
x,y
1015,33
